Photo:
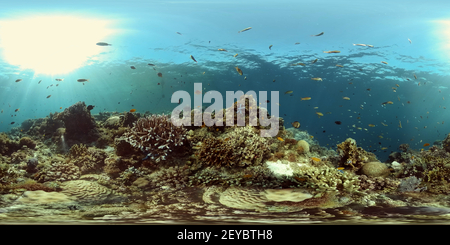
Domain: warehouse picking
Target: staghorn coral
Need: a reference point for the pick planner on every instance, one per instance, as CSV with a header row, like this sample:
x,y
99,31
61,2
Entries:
x,y
352,155
157,137
242,147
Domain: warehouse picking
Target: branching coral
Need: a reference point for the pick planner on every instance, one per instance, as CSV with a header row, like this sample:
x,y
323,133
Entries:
x,y
352,155
242,147
156,136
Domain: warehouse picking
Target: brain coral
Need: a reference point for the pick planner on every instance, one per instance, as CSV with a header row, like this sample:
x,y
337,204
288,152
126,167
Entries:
x,y
156,136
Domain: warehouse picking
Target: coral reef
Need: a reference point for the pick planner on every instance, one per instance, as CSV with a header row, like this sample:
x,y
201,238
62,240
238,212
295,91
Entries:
x,y
58,169
157,137
79,123
353,156
7,146
28,142
243,146
375,169
89,160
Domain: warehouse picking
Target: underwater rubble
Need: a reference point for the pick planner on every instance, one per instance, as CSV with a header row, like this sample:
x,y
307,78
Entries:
x,y
114,166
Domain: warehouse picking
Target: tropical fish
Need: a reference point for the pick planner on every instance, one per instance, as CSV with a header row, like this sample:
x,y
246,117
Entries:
x,y
280,139
306,98
39,81
296,124
426,144
82,80
384,62
339,65
59,79
316,78
89,107
239,70
415,75
338,122
270,47
221,49
159,74
13,122
409,41
296,43
314,61
16,110
192,57
399,124
320,114
132,110
49,96
198,92
132,67
320,34
346,98
246,29
178,33
332,52
387,102
383,148
315,159
18,80
289,92
359,44
235,55
103,44
371,125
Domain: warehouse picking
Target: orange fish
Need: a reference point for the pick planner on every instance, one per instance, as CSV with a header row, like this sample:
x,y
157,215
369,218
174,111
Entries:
x,y
280,139
384,62
315,159
132,110
198,92
60,107
426,144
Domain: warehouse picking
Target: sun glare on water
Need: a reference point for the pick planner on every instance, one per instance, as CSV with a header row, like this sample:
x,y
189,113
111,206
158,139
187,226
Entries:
x,y
51,44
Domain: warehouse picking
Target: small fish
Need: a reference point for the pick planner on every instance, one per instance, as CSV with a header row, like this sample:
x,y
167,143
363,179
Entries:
x,y
359,44
399,124
16,110
409,41
39,81
426,144
18,80
371,125
246,29
192,57
57,84
270,47
338,122
132,67
339,65
296,43
178,33
320,34
315,159
150,64
89,107
159,74
314,61
316,79
280,139
239,70
59,79
82,80
13,122
103,44
346,98
312,137
387,102
289,92
60,107
383,148
320,114
384,62
332,52
221,49
198,92
49,96
415,75
235,55
132,110
2,111
296,124
384,124
245,78
306,98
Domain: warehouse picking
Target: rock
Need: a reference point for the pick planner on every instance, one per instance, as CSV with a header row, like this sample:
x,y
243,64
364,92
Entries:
x,y
42,197
375,169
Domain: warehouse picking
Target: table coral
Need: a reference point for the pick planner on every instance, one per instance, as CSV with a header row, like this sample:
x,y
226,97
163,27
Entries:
x,y
156,136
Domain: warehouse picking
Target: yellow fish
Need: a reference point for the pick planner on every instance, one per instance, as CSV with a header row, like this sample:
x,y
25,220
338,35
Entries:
x,y
383,148
316,79
221,49
371,125
346,98
306,98
339,65
235,55
384,62
239,70
289,92
246,29
315,159
280,139
320,114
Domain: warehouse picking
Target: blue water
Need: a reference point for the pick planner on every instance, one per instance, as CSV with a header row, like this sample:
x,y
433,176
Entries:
x,y
146,32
